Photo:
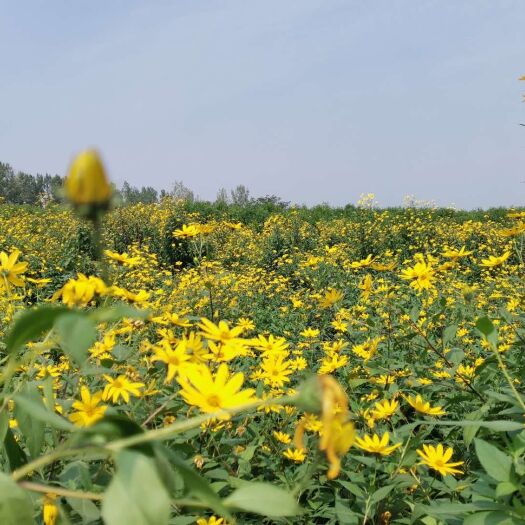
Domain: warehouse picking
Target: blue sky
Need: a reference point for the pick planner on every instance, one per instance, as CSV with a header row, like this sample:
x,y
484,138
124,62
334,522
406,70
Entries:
x,y
312,100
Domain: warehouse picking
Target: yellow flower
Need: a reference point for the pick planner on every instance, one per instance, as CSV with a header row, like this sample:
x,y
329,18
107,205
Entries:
x,y
10,270
211,393
123,258
275,370
120,387
221,332
421,275
424,407
450,253
493,261
270,345
186,231
384,409
175,359
49,510
295,454
310,333
81,291
282,437
88,409
330,297
211,521
376,444
366,286
86,182
438,459
363,263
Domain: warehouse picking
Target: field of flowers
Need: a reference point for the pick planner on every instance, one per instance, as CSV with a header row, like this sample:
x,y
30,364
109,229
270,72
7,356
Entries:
x,y
193,365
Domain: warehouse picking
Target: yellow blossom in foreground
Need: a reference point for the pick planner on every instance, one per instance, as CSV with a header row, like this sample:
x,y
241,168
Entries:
x,y
49,510
493,261
213,392
11,270
120,387
376,445
86,182
88,410
81,291
418,404
438,458
295,454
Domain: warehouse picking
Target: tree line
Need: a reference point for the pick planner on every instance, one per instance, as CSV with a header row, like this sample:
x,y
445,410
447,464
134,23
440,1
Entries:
x,y
24,188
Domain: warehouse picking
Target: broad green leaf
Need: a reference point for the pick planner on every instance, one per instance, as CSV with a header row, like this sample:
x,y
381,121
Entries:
x,y
490,518
85,508
31,428
119,311
495,462
449,333
15,506
4,424
136,495
497,426
77,334
15,455
35,408
31,324
381,493
485,326
264,499
197,486
505,488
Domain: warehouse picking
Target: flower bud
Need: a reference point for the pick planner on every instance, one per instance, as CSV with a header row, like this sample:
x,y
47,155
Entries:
x,y
86,183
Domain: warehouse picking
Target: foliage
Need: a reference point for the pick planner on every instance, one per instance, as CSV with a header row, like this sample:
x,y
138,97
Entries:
x,y
122,376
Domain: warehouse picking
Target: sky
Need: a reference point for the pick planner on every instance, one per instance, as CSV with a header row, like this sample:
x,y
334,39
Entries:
x,y
311,100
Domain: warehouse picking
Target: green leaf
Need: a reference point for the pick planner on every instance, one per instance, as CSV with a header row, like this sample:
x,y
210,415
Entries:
x,y
505,488
449,333
15,455
31,324
114,313
495,462
197,486
263,499
77,333
4,424
490,518
381,493
31,428
487,329
35,408
15,506
136,495
497,426
85,508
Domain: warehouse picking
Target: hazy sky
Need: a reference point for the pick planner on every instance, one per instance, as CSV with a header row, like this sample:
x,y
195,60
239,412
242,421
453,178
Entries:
x,y
312,100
